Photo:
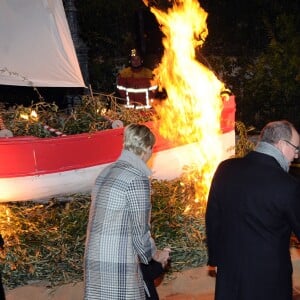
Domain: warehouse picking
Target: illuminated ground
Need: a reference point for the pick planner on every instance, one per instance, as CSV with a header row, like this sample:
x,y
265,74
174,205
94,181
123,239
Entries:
x,y
193,284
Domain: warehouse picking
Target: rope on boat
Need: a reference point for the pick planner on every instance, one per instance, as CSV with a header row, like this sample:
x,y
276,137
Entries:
x,y
53,130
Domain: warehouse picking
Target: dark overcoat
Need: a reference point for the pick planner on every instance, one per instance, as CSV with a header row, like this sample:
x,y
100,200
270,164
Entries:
x,y
253,206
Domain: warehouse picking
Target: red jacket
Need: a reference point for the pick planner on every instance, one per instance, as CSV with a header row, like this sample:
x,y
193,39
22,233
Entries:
x,y
136,86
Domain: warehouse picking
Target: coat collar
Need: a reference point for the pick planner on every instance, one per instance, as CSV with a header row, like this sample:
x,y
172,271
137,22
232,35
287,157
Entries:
x,y
271,150
135,161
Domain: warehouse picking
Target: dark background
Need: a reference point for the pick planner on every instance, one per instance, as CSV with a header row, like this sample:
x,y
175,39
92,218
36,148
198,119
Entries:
x,y
252,46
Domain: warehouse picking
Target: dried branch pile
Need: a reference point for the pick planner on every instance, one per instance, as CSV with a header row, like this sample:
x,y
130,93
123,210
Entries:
x,y
45,241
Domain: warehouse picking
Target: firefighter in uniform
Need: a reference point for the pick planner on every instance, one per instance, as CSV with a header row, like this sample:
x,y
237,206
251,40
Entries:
x,y
135,83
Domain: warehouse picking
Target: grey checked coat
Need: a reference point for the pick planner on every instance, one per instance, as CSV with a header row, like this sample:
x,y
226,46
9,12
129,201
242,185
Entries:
x,y
118,235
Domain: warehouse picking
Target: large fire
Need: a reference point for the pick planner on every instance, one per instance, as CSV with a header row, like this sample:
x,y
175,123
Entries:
x,y
192,111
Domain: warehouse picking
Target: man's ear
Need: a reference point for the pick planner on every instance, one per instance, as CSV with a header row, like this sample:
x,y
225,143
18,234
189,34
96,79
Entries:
x,y
279,144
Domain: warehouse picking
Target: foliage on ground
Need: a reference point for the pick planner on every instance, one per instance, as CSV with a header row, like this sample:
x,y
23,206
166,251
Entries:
x,y
45,241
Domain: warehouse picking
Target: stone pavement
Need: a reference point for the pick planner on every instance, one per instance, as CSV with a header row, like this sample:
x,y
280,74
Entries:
x,y
192,284
196,284
208,296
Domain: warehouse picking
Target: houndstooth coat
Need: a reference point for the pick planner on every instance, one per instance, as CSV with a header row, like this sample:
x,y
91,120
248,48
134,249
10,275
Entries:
x,y
118,234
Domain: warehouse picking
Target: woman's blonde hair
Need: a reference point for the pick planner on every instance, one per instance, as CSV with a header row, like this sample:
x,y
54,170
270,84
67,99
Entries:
x,y
137,138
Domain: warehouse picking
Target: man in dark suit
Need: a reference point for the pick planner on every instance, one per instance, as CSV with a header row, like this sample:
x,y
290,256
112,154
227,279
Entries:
x,y
253,207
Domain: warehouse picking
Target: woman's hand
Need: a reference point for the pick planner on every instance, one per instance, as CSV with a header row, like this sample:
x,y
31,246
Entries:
x,y
162,256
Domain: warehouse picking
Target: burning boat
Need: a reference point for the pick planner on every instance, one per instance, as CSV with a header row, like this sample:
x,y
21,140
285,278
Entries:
x,y
33,168
194,126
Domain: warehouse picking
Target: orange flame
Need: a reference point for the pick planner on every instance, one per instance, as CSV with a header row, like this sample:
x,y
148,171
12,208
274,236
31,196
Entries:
x,y
192,111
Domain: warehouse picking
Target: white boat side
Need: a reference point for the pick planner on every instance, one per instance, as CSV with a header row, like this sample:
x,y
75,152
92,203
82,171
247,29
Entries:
x,y
167,164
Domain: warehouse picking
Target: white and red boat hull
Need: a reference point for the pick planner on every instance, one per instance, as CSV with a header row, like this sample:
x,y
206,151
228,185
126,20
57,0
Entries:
x,y
34,168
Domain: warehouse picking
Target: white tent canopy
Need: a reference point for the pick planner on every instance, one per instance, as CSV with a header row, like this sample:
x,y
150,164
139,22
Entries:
x,y
36,47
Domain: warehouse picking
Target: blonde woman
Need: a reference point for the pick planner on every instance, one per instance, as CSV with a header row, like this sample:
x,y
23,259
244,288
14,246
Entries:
x,y
118,234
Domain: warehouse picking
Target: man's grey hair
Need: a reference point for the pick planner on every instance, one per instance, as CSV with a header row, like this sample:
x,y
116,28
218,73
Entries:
x,y
137,138
275,131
